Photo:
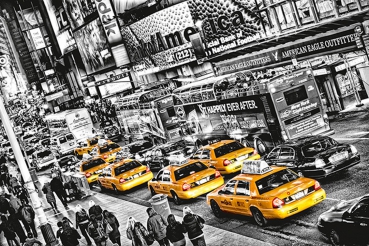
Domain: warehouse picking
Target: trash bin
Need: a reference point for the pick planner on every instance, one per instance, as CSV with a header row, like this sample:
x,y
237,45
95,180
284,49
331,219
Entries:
x,y
160,204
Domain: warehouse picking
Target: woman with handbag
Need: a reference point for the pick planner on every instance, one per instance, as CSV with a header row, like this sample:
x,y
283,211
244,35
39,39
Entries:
x,y
112,227
82,221
137,233
96,230
194,225
175,231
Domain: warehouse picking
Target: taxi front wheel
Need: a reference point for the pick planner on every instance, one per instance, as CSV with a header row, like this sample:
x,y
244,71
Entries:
x,y
216,209
334,237
176,199
258,217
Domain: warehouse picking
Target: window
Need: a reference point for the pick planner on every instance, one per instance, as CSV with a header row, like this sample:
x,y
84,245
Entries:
x,y
108,148
230,187
107,171
189,169
275,180
159,176
94,141
286,154
274,153
361,209
166,176
92,164
205,154
43,154
126,167
69,137
227,148
171,112
295,95
243,188
313,148
62,140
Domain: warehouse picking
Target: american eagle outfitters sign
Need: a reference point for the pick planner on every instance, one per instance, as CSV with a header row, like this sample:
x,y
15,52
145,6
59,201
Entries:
x,y
334,42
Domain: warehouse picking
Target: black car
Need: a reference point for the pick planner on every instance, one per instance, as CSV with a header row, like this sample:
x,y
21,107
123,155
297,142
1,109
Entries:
x,y
347,222
314,156
67,161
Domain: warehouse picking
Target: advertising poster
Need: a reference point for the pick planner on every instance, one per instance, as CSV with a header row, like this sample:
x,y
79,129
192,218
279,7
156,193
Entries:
x,y
37,38
29,18
93,47
61,26
78,11
80,123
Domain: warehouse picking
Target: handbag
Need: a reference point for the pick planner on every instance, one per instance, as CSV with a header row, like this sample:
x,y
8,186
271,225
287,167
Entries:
x,y
108,228
149,238
201,225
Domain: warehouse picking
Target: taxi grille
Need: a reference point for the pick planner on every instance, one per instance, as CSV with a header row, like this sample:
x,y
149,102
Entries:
x,y
299,195
203,180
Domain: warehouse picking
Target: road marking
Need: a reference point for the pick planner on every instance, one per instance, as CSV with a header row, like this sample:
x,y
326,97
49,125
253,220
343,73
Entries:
x,y
348,139
358,133
333,199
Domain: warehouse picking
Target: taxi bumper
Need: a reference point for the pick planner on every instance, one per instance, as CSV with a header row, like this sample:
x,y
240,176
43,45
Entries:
x,y
202,189
93,178
237,165
296,206
135,182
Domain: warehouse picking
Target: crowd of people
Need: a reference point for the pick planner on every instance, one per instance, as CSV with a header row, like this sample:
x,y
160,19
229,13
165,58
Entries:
x,y
102,111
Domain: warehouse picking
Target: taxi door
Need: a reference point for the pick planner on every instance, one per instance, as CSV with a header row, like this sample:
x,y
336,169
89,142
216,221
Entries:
x,y
157,185
226,198
106,178
166,182
242,198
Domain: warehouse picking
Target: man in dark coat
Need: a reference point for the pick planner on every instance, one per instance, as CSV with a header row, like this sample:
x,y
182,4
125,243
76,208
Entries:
x,y
4,205
157,225
58,187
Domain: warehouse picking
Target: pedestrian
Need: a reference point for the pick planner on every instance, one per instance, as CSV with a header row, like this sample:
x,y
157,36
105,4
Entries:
x,y
50,198
82,220
95,209
14,202
31,240
58,187
60,229
194,224
16,225
157,226
27,215
69,236
111,220
136,232
4,204
13,183
175,231
20,177
23,195
96,230
9,234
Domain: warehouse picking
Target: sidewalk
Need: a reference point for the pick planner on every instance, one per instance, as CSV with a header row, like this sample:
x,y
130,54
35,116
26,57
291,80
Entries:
x,y
122,210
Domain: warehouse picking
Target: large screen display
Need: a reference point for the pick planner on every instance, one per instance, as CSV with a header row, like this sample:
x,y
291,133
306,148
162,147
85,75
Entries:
x,y
78,11
93,47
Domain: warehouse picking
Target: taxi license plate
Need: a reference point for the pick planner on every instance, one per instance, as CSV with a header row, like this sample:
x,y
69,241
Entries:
x,y
338,157
203,181
237,167
136,176
299,195
241,158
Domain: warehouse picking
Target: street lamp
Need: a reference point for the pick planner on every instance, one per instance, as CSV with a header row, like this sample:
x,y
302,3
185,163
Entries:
x,y
46,229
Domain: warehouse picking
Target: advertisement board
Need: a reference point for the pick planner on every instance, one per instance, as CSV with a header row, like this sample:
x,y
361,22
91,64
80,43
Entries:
x,y
78,11
79,123
61,26
37,38
114,88
93,47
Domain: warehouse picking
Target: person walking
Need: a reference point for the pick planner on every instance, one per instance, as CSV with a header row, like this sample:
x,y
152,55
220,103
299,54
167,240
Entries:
x,y
95,210
82,220
156,225
14,202
69,236
16,225
58,187
96,230
4,204
175,231
136,232
31,240
194,224
50,197
114,235
27,215
9,234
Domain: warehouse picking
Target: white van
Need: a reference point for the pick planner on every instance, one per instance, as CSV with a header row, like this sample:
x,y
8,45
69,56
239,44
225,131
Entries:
x,y
66,143
43,158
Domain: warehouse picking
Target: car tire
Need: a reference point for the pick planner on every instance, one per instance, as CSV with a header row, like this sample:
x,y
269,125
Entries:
x,y
116,191
334,238
260,146
258,217
153,193
216,209
176,199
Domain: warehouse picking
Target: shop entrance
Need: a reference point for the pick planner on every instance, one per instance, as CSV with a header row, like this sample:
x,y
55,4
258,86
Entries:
x,y
328,93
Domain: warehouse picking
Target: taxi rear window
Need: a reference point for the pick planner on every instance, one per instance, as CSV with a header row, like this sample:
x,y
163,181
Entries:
x,y
316,147
275,180
126,167
92,164
187,170
227,148
108,148
43,154
94,141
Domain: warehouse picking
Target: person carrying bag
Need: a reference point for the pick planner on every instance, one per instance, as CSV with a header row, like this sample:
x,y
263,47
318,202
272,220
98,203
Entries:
x,y
194,224
175,231
137,233
96,230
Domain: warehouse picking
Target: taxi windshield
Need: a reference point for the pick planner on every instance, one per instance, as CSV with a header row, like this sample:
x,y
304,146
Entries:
x,y
92,164
108,148
126,167
227,148
187,170
275,180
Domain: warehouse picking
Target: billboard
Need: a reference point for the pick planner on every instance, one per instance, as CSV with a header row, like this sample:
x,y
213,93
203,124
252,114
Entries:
x,y
79,11
61,27
93,47
79,123
37,38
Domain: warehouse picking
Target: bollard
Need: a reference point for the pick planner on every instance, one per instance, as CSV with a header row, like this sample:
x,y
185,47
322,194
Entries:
x,y
48,234
160,204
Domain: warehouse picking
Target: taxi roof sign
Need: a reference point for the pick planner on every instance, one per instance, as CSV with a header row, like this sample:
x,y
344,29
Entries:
x,y
255,167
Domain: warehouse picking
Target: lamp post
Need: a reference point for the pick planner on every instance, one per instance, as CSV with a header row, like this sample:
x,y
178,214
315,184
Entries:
x,y
46,229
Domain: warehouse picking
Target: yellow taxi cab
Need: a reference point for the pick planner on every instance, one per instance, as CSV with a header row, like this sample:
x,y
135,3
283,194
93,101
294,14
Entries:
x,y
185,181
226,156
92,168
85,147
265,192
106,150
124,175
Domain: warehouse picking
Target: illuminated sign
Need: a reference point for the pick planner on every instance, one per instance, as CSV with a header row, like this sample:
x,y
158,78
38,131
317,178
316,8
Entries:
x,y
38,39
255,167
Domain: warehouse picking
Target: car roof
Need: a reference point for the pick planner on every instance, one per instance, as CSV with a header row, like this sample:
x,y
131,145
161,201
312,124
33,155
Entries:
x,y
256,177
218,144
303,140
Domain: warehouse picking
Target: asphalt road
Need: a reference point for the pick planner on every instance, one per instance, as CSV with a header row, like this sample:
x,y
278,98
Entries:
x,y
301,228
